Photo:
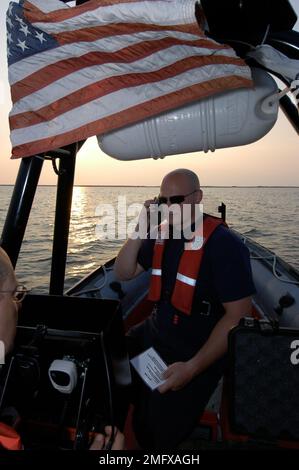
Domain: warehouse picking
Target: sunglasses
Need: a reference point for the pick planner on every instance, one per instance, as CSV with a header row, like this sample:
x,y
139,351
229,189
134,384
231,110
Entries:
x,y
174,199
18,294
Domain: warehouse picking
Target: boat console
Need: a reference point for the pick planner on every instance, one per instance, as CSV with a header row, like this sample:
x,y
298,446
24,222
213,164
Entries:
x,y
69,373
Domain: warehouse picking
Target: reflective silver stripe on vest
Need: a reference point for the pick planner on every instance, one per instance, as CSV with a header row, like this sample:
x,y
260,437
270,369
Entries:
x,y
186,279
157,272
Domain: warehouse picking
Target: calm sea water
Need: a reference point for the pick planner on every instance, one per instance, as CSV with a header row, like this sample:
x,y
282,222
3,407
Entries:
x,y
267,215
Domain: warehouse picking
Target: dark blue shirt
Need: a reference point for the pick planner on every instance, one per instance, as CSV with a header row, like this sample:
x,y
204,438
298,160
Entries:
x,y
225,276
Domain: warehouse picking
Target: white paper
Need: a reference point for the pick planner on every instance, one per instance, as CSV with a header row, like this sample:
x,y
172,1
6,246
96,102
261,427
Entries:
x,y
150,367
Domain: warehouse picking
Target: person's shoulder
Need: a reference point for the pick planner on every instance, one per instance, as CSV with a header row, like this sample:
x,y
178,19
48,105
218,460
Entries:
x,y
224,233
224,238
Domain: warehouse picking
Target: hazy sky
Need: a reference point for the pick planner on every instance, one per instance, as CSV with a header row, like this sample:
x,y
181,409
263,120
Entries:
x,y
274,160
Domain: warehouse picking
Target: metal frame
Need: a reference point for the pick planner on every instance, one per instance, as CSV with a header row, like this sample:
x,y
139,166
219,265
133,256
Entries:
x,y
20,206
22,200
64,197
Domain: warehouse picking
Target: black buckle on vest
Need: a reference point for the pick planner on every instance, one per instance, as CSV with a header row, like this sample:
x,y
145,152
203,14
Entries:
x,y
205,308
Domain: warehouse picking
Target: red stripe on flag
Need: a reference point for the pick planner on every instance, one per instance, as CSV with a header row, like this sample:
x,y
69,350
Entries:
x,y
110,85
132,115
116,29
60,69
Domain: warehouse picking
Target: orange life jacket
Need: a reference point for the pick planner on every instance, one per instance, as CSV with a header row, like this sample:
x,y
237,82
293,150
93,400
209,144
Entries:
x,y
9,438
189,266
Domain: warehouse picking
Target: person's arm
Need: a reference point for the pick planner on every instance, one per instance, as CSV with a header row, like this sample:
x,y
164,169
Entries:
x,y
8,321
126,265
181,373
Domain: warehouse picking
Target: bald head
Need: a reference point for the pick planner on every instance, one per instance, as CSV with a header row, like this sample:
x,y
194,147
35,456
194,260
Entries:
x,y
182,182
183,179
6,269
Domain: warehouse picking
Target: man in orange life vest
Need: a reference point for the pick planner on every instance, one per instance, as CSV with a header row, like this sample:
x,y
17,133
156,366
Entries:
x,y
199,296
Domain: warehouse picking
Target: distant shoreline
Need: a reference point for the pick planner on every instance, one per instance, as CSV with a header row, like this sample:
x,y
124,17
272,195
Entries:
x,y
151,186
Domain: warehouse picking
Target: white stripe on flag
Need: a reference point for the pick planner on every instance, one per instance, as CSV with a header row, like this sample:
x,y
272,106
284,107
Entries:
x,y
164,14
157,272
118,101
90,75
25,67
186,279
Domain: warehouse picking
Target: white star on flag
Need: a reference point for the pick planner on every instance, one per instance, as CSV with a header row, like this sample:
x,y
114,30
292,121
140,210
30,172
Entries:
x,y
22,45
9,22
10,9
25,30
9,38
40,36
19,20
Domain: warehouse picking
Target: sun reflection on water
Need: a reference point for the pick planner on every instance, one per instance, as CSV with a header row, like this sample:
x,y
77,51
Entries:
x,y
82,225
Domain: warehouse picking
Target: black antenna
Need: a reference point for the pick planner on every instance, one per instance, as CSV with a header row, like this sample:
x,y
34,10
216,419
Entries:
x,y
222,211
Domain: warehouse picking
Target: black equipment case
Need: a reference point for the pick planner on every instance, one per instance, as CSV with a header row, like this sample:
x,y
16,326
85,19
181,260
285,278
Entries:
x,y
264,380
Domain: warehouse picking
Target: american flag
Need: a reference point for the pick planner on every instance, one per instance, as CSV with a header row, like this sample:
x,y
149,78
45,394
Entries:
x,y
81,71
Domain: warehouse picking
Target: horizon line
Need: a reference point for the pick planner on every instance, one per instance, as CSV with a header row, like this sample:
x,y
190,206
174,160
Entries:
x,y
156,186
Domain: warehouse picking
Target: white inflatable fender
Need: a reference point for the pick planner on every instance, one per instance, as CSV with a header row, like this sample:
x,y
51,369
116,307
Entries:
x,y
225,120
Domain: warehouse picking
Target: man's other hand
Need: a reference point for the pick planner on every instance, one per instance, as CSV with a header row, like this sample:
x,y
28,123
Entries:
x,y
177,376
101,441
